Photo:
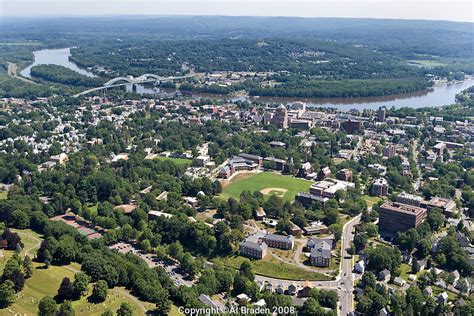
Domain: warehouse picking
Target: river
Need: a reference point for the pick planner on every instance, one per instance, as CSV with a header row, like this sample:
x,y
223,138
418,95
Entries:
x,y
54,57
439,95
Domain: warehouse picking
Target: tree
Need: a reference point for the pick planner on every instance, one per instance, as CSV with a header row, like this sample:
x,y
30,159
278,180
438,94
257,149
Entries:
x,y
47,307
336,230
414,297
99,291
18,279
125,309
7,294
65,309
27,267
65,291
108,312
415,267
368,280
81,282
246,270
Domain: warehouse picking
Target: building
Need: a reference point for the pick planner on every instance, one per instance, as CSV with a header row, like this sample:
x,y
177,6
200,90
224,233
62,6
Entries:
x,y
324,173
439,148
320,255
280,118
253,248
275,163
279,241
409,199
352,126
381,113
315,228
260,214
360,267
256,159
202,160
277,144
307,199
448,206
389,151
380,187
305,170
329,187
344,175
384,275
395,217
298,106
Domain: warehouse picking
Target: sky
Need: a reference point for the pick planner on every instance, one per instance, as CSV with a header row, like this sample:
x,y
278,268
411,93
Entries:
x,y
452,10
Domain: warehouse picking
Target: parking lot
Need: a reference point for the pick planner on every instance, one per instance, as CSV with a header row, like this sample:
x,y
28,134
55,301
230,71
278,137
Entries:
x,y
172,270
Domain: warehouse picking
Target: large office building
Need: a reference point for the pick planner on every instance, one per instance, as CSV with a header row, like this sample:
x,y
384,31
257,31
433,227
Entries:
x,y
394,217
280,118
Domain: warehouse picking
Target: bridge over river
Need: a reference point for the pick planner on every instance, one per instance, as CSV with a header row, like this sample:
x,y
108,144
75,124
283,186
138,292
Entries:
x,y
123,81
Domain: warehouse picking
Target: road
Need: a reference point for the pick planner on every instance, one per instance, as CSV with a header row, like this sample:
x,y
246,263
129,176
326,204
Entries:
x,y
416,184
344,282
12,72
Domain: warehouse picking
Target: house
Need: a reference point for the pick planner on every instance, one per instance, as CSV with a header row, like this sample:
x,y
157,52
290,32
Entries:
x,y
360,267
443,298
292,289
260,214
280,289
384,275
344,175
463,285
324,173
428,291
261,303
279,241
383,312
243,299
305,170
305,291
399,281
456,277
440,283
320,254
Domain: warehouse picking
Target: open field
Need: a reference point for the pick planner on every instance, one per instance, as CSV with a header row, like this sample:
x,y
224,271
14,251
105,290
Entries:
x,y
426,62
272,267
266,182
46,282
178,161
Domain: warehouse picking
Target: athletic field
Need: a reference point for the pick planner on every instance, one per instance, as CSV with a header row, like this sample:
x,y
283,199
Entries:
x,y
267,183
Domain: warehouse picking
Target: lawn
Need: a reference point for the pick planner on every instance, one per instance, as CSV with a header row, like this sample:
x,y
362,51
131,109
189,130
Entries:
x,y
272,267
271,183
371,200
178,161
3,195
46,282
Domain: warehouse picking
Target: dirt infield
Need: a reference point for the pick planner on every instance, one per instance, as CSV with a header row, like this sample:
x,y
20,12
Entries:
x,y
274,191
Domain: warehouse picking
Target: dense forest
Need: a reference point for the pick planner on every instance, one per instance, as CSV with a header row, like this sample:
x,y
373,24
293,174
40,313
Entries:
x,y
63,75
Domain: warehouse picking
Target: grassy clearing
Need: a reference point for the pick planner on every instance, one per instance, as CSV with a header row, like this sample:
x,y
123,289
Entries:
x,y
3,195
178,161
46,282
427,62
266,180
174,311
371,200
272,267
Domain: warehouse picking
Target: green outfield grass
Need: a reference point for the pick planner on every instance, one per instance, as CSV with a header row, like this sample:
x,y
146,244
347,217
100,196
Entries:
x,y
178,161
274,268
284,186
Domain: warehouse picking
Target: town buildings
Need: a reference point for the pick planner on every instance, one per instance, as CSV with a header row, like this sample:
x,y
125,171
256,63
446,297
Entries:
x,y
395,217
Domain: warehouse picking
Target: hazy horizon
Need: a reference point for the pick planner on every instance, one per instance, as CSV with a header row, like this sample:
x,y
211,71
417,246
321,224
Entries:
x,y
456,11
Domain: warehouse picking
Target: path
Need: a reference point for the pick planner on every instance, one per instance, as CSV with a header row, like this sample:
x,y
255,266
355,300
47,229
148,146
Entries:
x,y
37,245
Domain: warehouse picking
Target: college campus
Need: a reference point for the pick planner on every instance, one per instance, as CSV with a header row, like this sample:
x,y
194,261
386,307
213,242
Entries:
x,y
235,164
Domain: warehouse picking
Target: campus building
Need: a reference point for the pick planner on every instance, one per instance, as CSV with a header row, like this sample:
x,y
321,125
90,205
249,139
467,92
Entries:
x,y
253,247
279,241
400,217
380,187
320,255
